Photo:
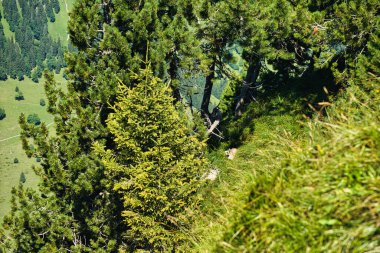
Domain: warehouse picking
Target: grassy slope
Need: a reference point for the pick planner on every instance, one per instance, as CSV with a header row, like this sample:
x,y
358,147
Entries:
x,y
58,29
11,148
294,189
325,196
226,198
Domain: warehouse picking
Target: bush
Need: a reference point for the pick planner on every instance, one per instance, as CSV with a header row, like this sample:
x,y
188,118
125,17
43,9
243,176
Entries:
x,y
19,96
34,119
2,113
42,102
17,89
15,160
38,159
22,178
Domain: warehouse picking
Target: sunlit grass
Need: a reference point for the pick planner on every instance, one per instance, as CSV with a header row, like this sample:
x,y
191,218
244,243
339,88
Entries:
x,y
324,193
10,144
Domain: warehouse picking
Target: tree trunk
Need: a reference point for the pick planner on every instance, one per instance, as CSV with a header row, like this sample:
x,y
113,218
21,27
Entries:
x,y
173,76
248,83
208,90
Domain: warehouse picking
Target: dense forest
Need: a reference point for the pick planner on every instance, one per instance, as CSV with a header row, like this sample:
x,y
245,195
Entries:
x,y
158,90
30,49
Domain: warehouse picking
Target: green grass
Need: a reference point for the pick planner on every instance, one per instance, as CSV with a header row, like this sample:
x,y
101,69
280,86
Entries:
x,y
227,197
58,29
300,189
10,144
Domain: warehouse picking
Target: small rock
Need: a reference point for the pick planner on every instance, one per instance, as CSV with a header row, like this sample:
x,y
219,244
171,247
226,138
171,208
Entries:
x,y
213,174
230,153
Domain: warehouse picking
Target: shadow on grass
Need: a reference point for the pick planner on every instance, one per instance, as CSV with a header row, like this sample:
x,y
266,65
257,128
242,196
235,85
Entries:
x,y
295,96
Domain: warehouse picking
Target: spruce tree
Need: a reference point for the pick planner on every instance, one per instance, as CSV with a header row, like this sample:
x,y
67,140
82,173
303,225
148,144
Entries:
x,y
22,178
111,37
156,166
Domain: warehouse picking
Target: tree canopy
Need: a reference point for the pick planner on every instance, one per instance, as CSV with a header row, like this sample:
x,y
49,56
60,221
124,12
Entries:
x,y
126,162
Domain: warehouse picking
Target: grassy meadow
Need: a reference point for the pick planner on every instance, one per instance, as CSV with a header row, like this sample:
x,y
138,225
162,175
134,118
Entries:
x,y
10,144
58,29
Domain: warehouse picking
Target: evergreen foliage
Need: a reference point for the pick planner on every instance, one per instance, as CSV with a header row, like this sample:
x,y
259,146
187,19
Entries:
x,y
56,6
2,113
44,233
156,166
22,178
31,46
19,95
124,167
34,119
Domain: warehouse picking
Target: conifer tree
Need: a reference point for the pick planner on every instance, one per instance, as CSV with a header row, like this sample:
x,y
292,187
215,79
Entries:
x,y
156,166
111,37
368,67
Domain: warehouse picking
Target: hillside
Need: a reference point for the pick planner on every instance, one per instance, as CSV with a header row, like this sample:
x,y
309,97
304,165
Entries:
x,y
194,126
299,184
10,144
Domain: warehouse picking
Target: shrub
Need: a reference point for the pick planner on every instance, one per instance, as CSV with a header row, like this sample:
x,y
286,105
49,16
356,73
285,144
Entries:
x,y
38,159
19,96
22,178
17,89
2,113
42,102
15,160
34,119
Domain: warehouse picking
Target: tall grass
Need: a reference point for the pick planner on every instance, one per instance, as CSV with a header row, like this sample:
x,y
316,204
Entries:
x,y
324,195
227,197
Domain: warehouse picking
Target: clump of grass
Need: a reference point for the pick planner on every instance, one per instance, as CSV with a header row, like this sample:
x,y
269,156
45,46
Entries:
x,y
324,195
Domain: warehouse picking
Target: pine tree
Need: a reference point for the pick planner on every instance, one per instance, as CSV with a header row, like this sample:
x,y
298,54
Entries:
x,y
49,11
368,67
22,178
45,228
110,37
11,14
156,166
56,6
